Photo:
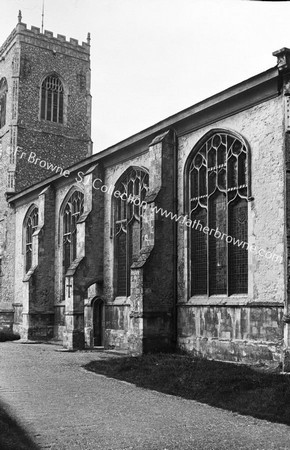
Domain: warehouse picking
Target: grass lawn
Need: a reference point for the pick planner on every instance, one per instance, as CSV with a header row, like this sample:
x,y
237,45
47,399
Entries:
x,y
233,387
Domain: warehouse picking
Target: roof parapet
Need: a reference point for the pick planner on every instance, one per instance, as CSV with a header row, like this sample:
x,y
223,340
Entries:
x,y
35,30
48,33
283,59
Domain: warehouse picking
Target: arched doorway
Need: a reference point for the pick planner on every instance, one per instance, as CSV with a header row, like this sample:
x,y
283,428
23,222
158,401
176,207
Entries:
x,y
98,322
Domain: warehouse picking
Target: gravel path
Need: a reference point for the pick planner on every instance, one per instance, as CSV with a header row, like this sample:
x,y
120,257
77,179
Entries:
x,y
64,406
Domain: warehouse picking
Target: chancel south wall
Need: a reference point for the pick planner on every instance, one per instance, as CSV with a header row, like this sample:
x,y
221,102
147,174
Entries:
x,y
243,327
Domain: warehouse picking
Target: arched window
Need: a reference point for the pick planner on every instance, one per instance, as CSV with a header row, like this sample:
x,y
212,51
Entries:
x,y
128,225
72,211
3,98
52,99
217,191
31,223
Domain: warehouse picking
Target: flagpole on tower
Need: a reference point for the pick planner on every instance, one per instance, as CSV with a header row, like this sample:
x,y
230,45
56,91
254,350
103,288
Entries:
x,y
42,16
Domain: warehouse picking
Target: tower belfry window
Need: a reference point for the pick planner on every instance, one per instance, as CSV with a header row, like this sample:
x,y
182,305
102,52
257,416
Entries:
x,y
52,99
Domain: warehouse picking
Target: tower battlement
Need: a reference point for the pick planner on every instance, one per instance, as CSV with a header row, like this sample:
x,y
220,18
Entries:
x,y
47,39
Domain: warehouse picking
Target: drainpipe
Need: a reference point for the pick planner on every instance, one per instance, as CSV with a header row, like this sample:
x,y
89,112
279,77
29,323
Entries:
x,y
175,230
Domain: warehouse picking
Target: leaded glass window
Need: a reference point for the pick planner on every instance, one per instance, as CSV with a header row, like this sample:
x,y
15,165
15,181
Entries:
x,y
218,199
52,99
72,211
30,227
3,99
128,226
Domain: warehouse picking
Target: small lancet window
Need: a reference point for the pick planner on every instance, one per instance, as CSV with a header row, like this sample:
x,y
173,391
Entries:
x,y
52,99
72,211
31,226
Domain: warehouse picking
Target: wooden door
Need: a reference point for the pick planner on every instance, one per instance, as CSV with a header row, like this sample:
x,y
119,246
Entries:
x,y
98,311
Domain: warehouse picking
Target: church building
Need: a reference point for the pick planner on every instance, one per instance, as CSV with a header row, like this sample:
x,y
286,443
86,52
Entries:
x,y
176,237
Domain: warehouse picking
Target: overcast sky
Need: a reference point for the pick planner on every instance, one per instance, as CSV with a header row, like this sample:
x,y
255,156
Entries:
x,y
153,58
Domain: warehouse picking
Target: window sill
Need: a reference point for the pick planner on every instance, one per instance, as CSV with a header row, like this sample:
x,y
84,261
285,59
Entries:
x,y
120,301
233,300
60,304
51,122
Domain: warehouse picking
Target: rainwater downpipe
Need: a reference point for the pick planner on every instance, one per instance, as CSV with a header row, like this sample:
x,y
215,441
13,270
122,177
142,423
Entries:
x,y
175,230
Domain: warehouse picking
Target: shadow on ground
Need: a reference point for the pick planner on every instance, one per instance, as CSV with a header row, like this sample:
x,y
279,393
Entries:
x,y
238,388
12,434
8,335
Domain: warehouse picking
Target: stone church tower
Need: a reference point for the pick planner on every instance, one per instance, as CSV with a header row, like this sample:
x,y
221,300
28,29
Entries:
x,y
45,123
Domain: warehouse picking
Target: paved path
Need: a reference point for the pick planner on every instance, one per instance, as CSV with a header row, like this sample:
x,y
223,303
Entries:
x,y
65,407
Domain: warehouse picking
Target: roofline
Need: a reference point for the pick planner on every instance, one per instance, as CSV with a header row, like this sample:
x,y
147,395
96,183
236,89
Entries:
x,y
153,130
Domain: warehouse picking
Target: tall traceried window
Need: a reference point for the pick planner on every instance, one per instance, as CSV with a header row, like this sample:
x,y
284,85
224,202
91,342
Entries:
x,y
31,224
128,225
218,186
52,99
72,211
3,100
